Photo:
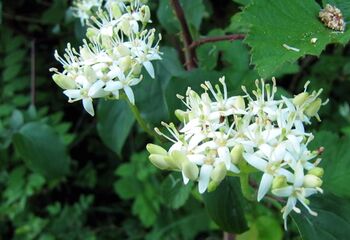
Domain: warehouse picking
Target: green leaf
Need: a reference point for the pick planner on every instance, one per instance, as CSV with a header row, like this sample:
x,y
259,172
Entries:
x,y
42,150
194,12
335,161
225,206
332,222
277,25
114,122
173,191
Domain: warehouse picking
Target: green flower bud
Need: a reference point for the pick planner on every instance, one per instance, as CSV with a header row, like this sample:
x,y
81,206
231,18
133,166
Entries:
x,y
312,181
116,12
219,172
279,182
91,33
136,69
317,171
63,81
155,149
239,103
300,98
212,186
190,170
125,63
123,50
158,161
313,108
179,158
237,154
181,115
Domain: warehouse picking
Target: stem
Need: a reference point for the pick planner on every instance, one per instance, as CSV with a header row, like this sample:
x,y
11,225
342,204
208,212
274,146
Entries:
x,y
231,37
143,124
190,54
32,72
247,190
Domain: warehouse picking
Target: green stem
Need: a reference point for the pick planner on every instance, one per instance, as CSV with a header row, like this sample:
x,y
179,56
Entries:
x,y
143,124
247,190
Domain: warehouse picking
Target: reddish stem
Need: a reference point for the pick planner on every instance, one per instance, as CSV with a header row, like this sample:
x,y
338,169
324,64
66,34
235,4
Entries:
x,y
231,37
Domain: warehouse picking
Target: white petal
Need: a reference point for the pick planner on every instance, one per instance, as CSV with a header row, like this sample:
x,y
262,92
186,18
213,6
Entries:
x,y
196,158
149,67
204,177
288,208
286,173
233,168
185,179
113,86
298,175
266,149
87,103
97,86
129,93
195,140
279,152
283,192
224,154
73,93
115,72
255,161
265,185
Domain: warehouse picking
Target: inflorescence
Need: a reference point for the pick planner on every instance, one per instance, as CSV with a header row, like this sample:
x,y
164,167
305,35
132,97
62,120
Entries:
x,y
117,47
222,135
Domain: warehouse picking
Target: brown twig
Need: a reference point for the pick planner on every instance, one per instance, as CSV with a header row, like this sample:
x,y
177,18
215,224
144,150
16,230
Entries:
x,y
231,37
190,54
32,72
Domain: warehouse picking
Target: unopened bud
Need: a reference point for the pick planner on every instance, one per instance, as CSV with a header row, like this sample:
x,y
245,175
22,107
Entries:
x,y
300,98
181,115
91,33
279,182
115,10
317,171
63,81
239,103
313,108
219,172
212,186
179,158
158,161
125,63
155,149
237,154
190,170
123,50
312,181
136,70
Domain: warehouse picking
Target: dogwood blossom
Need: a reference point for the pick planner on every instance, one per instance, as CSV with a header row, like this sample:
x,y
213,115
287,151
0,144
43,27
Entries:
x,y
220,133
110,61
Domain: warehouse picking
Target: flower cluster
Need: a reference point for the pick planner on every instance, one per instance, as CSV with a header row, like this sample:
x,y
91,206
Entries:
x,y
221,134
118,46
332,17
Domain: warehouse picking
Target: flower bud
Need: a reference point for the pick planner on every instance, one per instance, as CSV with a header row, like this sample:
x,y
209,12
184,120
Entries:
x,y
237,154
279,182
136,70
190,170
317,171
239,103
63,81
312,181
145,13
219,172
91,33
125,63
300,98
212,186
116,12
178,158
181,115
313,108
158,161
155,149
123,50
